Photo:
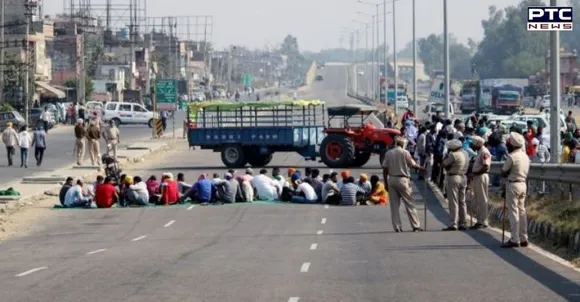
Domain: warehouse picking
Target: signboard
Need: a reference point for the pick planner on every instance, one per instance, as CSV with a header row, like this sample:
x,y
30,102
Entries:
x,y
247,80
166,94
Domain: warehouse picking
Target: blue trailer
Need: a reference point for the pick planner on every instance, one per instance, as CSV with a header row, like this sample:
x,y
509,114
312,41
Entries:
x,y
250,133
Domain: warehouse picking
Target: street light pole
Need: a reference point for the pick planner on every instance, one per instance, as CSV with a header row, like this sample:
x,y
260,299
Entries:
x,y
414,62
29,7
555,92
373,57
378,89
395,71
385,47
446,60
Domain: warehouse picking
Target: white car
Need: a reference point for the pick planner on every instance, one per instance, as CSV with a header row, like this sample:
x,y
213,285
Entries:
x,y
544,102
361,73
198,96
402,102
128,113
540,120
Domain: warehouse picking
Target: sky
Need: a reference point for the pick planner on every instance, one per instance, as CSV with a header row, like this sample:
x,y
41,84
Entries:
x,y
317,24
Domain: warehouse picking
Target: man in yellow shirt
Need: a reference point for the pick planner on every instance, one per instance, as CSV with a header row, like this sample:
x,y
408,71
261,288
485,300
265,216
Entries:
x,y
566,153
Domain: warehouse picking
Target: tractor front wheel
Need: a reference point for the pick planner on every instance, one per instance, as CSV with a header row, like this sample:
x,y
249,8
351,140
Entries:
x,y
360,159
337,151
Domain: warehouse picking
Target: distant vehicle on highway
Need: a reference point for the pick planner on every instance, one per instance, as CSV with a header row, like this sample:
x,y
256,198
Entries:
x,y
402,102
319,78
543,103
361,73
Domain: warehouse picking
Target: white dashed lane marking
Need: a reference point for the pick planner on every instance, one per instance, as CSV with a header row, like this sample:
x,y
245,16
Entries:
x,y
34,270
96,251
294,299
190,207
305,267
323,221
326,206
169,224
319,232
138,238
313,246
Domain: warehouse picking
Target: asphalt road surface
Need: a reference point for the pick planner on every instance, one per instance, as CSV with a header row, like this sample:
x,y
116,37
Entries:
x,y
268,253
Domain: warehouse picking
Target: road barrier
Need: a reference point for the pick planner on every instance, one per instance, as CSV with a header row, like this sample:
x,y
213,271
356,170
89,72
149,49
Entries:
x,y
158,127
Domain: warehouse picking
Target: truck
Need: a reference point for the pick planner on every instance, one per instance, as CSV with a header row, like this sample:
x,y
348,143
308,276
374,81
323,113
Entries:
x,y
507,98
469,94
250,133
401,91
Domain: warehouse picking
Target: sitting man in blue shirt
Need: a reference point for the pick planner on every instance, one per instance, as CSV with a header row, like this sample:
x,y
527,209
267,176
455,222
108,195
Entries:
x,y
204,191
74,197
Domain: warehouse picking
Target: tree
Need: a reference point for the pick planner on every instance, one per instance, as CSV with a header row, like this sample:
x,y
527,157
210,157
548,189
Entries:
x,y
430,51
89,86
289,46
508,50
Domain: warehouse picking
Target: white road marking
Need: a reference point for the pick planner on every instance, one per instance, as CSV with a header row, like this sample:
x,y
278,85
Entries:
x,y
313,246
31,271
294,299
96,251
323,221
190,207
139,238
305,267
326,206
169,224
574,295
319,232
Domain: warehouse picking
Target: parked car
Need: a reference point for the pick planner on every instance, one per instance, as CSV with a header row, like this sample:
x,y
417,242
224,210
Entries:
x,y
11,116
128,113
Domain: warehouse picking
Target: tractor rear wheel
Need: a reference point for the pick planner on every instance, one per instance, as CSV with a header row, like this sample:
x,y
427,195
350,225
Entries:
x,y
360,159
337,151
233,156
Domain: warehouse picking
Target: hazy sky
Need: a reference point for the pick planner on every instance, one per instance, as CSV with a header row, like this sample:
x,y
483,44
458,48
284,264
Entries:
x,y
316,23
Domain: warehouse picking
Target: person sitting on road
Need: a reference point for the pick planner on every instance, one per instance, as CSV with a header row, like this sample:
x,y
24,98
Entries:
x,y
317,183
137,193
249,175
307,173
247,190
379,194
106,194
363,183
203,191
265,187
68,183
279,178
305,192
92,187
330,191
169,190
291,172
232,192
74,197
181,184
343,175
350,193
152,185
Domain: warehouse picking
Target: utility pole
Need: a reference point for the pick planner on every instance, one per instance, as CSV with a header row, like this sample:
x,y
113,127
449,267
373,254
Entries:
x,y
131,44
446,61
395,67
29,6
414,62
555,92
385,52
148,47
83,72
2,40
373,74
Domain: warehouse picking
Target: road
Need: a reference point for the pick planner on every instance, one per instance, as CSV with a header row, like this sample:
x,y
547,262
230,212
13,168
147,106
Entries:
x,y
262,252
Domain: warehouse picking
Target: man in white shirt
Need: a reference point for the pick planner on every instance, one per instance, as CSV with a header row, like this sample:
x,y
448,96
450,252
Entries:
x,y
138,194
10,140
75,198
46,117
265,187
305,191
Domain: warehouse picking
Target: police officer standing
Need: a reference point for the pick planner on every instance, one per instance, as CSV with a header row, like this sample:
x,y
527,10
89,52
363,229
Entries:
x,y
112,138
456,163
516,169
396,173
480,176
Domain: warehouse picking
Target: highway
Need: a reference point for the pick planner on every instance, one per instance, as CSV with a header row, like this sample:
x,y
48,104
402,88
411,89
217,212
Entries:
x,y
270,252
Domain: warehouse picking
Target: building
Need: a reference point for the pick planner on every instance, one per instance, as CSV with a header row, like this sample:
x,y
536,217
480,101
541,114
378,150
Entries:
x,y
110,80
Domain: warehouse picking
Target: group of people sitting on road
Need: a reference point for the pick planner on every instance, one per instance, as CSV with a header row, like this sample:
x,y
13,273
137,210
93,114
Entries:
x,y
307,188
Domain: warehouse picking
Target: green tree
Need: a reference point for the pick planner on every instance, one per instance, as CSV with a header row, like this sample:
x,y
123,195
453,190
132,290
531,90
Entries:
x,y
430,51
508,50
89,86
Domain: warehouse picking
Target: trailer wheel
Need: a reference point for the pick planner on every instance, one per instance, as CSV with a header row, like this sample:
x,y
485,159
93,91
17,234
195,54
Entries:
x,y
233,156
360,159
259,160
337,151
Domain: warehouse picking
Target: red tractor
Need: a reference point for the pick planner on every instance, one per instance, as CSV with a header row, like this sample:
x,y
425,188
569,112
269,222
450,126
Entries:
x,y
352,143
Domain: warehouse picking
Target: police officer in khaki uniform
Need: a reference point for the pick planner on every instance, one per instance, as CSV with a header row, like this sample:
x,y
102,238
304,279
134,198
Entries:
x,y
397,177
516,169
112,138
456,163
480,176
79,147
